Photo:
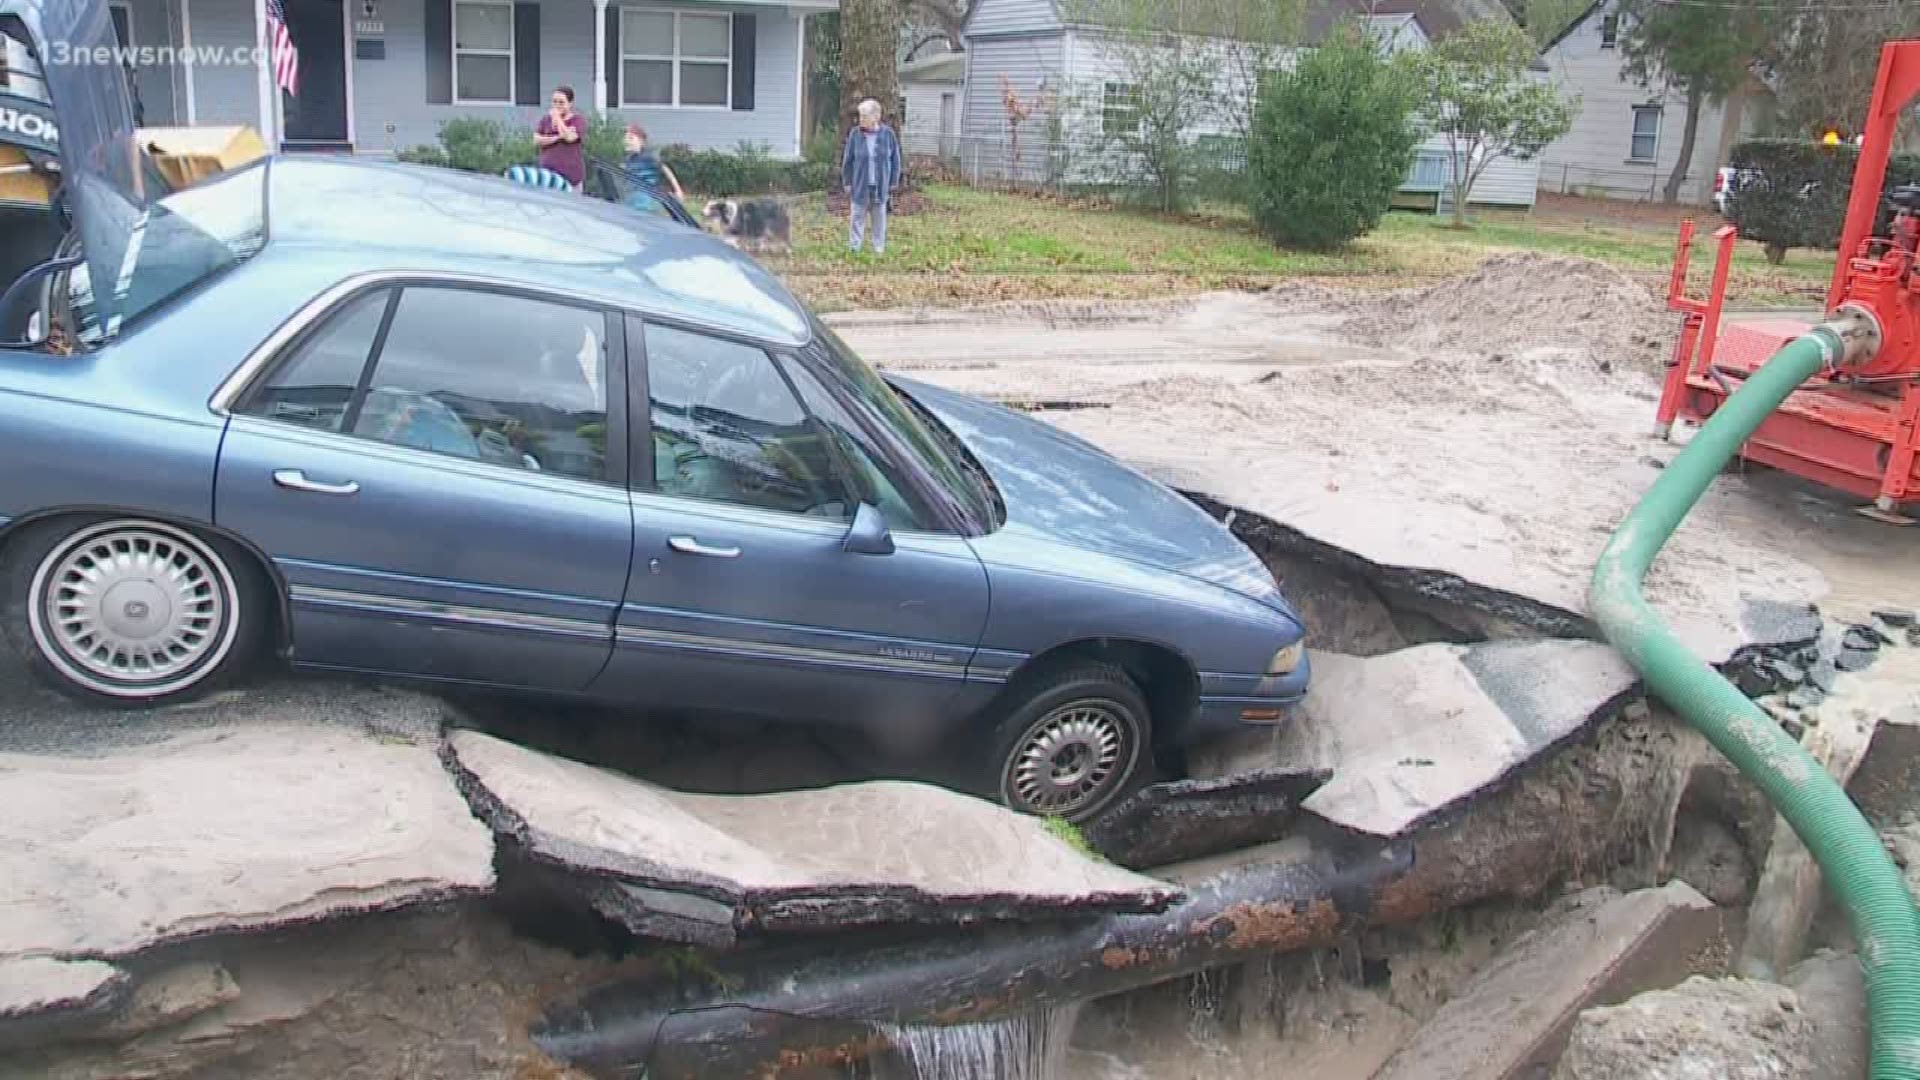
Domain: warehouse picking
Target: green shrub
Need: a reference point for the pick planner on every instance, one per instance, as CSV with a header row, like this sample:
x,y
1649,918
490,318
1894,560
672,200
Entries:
x,y
1332,141
491,147
1790,193
748,169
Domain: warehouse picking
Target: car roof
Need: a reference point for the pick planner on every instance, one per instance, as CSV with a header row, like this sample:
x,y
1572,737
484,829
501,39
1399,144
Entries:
x,y
376,216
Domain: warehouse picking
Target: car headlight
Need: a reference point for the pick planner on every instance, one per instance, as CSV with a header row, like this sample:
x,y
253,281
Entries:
x,y
1287,659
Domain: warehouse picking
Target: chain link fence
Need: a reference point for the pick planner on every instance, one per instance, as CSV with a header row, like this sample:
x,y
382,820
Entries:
x,y
1645,183
1208,167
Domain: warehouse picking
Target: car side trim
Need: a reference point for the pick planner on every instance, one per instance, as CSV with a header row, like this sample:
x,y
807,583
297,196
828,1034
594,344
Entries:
x,y
450,613
995,665
675,639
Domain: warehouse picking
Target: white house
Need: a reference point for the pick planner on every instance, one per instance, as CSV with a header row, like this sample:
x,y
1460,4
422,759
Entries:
x,y
931,87
1625,141
1040,50
377,76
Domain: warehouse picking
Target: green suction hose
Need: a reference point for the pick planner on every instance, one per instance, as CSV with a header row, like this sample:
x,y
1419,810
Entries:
x,y
1855,864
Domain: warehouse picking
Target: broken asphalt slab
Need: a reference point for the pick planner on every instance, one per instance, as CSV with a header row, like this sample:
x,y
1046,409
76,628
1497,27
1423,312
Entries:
x,y
703,868
1409,734
298,803
31,985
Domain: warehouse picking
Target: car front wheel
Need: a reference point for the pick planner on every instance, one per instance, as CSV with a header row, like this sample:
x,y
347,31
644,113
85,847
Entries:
x,y
126,611
1074,744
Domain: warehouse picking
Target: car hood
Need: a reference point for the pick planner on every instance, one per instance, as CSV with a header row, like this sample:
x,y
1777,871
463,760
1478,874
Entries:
x,y
1068,490
98,150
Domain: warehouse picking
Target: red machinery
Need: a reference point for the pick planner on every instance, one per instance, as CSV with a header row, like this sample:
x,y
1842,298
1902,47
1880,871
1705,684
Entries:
x,y
1855,427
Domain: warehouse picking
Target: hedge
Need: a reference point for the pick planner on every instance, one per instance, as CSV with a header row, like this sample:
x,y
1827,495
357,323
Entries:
x,y
1789,193
491,147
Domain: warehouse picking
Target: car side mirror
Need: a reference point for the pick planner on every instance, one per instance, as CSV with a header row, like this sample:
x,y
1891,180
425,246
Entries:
x,y
16,294
869,535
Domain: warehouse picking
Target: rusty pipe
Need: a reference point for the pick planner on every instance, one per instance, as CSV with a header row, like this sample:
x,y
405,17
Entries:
x,y
775,1012
770,1012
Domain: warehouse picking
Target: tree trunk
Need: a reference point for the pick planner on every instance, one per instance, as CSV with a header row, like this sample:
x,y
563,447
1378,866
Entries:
x,y
1692,128
869,34
1459,168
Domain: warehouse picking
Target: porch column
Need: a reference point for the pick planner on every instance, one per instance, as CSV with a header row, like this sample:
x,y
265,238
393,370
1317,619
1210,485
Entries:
x,y
186,50
269,93
600,56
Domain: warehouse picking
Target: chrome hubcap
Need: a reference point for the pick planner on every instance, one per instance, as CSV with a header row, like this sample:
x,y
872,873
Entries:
x,y
133,608
1069,761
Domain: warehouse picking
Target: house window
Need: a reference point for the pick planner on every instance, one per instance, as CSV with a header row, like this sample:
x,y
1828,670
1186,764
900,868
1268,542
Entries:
x,y
676,58
1119,108
483,52
1646,133
1609,31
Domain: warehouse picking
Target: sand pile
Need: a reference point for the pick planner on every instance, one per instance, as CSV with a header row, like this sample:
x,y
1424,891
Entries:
x,y
1519,302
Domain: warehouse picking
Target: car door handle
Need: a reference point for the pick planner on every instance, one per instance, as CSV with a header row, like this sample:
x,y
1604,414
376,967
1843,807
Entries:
x,y
690,546
297,481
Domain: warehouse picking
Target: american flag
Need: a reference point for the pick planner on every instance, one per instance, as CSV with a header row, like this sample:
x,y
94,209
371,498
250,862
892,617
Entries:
x,y
286,58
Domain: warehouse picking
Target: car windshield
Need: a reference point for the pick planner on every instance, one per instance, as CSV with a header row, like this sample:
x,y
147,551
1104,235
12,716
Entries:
x,y
942,455
181,241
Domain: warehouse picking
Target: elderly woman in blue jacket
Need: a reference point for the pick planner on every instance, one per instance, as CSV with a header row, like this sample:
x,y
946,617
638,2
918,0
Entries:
x,y
870,169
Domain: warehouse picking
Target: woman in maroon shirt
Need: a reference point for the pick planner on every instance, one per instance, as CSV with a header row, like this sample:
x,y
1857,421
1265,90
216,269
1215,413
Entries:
x,y
559,135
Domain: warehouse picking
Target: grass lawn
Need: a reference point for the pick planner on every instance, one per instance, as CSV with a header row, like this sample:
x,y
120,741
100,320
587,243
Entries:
x,y
973,246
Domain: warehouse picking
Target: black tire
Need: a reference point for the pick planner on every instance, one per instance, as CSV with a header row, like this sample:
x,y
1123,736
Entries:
x,y
1074,709
216,589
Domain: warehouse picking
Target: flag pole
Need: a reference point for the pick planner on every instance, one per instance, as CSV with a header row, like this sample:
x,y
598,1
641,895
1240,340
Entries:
x,y
269,94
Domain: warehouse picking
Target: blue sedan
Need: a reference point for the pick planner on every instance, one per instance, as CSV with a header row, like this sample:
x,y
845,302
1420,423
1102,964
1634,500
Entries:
x,y
397,420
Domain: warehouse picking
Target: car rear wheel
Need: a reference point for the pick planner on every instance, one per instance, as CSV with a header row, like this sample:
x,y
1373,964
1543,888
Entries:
x,y
128,612
1074,743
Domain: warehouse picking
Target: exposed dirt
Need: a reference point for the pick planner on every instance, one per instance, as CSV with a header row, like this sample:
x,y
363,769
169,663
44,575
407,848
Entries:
x,y
424,994
1729,1029
1519,302
1331,1014
1494,427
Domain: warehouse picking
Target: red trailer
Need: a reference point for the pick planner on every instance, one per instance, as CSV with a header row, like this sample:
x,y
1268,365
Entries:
x,y
1854,427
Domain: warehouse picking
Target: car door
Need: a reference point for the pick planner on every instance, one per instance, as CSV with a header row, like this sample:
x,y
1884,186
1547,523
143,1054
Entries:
x,y
743,596
429,468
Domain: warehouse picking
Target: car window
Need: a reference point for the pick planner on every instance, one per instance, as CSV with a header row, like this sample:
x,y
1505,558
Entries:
x,y
316,384
497,378
877,479
727,427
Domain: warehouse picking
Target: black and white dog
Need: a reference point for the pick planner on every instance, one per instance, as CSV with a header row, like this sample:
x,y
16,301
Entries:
x,y
756,224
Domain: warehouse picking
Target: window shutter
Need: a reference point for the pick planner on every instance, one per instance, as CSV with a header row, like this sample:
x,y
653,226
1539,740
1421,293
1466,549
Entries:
x,y
745,58
526,54
439,30
613,56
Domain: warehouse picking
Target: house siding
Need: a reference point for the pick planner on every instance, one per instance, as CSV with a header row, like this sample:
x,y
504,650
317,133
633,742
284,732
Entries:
x,y
1024,60
1594,156
391,111
1086,60
1012,17
390,108
921,134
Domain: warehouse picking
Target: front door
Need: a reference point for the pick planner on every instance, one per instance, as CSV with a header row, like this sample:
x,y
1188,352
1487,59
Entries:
x,y
743,597
316,112
430,472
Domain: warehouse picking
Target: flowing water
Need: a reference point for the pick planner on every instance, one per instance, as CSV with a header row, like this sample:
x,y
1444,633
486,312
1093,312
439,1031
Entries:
x,y
1030,1046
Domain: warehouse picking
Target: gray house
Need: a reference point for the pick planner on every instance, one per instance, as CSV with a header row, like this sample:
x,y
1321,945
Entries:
x,y
376,76
1625,141
1043,48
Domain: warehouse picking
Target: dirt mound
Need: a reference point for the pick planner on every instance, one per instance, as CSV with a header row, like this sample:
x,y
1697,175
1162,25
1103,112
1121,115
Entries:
x,y
1519,302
